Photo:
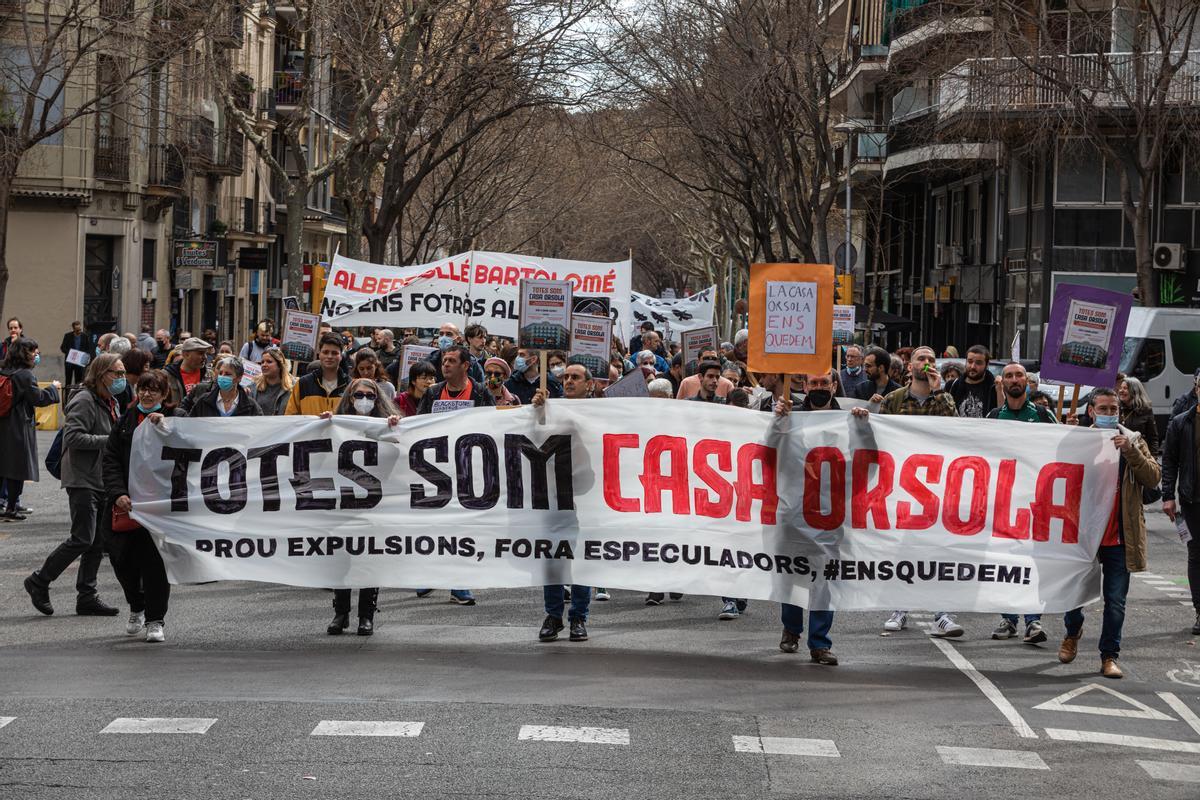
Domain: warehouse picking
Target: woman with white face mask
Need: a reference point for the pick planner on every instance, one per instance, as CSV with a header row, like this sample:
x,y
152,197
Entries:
x,y
364,398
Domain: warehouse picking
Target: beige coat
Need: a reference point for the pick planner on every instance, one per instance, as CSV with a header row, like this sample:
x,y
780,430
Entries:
x,y
1141,470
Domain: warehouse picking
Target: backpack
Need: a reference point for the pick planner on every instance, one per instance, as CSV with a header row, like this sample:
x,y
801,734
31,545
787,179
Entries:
x,y
6,395
54,456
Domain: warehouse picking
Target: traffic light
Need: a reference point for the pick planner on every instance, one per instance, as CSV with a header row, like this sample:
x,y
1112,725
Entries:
x,y
843,291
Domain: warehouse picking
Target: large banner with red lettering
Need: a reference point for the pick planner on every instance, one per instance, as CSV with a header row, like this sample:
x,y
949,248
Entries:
x,y
820,509
470,287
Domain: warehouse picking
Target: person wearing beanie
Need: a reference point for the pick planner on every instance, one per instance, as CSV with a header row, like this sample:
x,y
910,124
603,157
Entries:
x,y
495,372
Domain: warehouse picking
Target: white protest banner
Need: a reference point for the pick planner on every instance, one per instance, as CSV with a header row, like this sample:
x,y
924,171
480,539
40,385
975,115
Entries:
x,y
545,319
843,324
250,373
822,510
298,339
682,314
413,354
697,340
591,343
476,286
78,358
632,385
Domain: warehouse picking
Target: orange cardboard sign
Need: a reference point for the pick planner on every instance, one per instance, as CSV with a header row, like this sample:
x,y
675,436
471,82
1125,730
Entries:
x,y
791,318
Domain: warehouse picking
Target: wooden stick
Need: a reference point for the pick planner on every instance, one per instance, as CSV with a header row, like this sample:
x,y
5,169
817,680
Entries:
x,y
542,356
787,386
837,349
1062,395
1074,399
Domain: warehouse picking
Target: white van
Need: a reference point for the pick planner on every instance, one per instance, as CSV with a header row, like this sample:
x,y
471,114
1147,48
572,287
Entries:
x,y
1162,350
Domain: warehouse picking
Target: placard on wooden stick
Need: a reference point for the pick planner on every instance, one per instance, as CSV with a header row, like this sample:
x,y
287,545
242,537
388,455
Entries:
x,y
791,318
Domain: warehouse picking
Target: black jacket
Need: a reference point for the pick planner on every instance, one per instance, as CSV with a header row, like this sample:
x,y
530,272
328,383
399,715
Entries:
x,y
1179,460
866,391
524,389
479,395
115,460
1143,422
959,389
1185,402
71,342
206,405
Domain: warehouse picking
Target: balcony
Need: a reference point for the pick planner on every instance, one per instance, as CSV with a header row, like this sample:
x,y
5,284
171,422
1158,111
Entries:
x,y
915,25
230,26
868,150
166,174
266,107
111,157
198,142
114,10
858,70
1012,86
230,155
289,89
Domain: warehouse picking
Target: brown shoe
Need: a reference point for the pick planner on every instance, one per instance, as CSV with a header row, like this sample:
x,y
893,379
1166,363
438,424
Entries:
x,y
1109,668
823,657
790,642
1069,648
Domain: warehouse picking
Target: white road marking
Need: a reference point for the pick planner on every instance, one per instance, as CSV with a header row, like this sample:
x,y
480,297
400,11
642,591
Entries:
x,y
1145,575
1139,711
988,688
553,733
1159,582
784,746
1187,603
987,757
1096,737
1185,713
159,725
1166,771
5,720
338,727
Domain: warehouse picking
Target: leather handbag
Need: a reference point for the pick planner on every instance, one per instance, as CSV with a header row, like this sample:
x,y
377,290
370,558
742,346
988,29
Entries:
x,y
122,522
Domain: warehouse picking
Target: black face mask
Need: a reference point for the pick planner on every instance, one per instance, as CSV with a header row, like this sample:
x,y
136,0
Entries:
x,y
819,398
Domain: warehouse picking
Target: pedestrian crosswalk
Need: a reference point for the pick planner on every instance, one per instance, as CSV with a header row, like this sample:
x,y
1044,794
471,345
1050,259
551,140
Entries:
x,y
747,744
1178,591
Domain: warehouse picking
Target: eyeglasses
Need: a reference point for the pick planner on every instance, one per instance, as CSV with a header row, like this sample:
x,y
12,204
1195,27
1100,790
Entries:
x,y
363,396
494,374
149,390
120,373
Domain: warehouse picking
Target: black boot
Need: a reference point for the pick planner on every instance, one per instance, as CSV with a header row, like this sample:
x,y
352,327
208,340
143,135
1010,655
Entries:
x,y
366,626
40,596
341,621
1195,625
550,628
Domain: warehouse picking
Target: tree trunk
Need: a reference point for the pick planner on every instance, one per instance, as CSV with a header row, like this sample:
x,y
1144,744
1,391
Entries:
x,y
1142,249
6,182
377,238
294,245
355,217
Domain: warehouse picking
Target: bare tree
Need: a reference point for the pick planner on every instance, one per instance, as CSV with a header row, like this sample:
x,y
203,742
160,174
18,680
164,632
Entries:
x,y
1119,76
66,61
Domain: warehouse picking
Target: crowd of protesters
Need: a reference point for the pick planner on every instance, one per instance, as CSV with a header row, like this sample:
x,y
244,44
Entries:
x,y
135,379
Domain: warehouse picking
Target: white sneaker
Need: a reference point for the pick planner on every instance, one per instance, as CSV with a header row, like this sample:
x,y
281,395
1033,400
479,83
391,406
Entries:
x,y
945,626
602,595
898,621
154,632
1005,630
137,621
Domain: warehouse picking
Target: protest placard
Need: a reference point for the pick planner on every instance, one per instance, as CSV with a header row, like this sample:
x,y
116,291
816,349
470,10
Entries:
x,y
843,324
412,354
697,340
298,339
591,343
791,318
1085,335
545,319
679,315
632,385
78,358
251,372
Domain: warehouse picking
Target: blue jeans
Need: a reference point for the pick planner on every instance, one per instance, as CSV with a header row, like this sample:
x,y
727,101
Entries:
x,y
1115,587
1028,618
819,623
581,598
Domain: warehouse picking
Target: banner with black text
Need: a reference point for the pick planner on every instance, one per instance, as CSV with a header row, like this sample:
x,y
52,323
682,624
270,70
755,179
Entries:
x,y
819,509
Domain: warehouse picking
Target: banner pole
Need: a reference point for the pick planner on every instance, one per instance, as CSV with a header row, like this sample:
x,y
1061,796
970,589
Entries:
x,y
1074,398
1062,395
542,356
787,386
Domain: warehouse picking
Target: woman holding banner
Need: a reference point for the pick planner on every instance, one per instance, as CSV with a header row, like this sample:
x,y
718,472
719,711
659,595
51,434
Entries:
x,y
364,398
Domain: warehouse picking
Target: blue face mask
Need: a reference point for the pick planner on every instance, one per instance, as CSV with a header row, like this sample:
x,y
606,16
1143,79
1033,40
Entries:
x,y
225,382
118,386
37,359
445,341
520,365
853,370
1103,421
151,410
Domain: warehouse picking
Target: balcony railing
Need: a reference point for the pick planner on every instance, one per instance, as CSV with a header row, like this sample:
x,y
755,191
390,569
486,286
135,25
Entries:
x,y
230,156
289,87
857,54
906,16
1006,85
116,9
112,157
231,26
166,167
266,104
198,141
867,146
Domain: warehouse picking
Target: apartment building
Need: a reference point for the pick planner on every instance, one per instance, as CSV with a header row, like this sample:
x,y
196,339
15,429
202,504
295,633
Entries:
x,y
989,199
154,212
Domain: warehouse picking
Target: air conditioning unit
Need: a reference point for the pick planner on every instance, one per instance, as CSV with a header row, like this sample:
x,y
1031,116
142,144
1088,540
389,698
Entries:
x,y
149,291
1168,256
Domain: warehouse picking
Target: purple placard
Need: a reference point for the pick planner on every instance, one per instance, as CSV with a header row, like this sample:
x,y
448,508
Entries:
x,y
1085,335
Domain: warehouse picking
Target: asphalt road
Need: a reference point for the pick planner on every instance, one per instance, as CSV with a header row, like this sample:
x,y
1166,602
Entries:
x,y
663,702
